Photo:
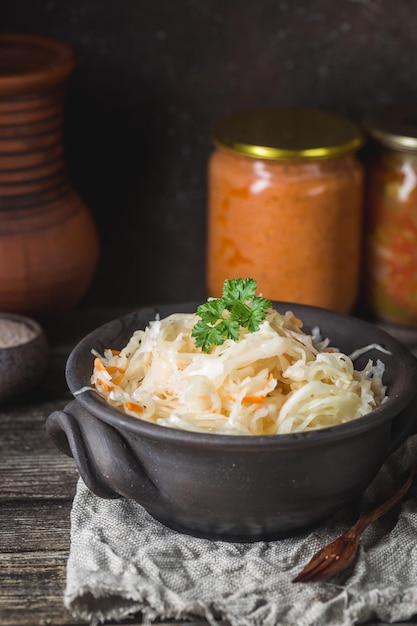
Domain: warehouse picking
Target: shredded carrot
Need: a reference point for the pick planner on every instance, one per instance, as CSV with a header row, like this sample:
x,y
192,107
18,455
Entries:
x,y
112,369
115,351
98,364
118,379
248,399
131,406
296,321
253,399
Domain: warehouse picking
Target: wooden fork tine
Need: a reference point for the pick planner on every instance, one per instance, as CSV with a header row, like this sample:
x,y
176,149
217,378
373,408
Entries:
x,y
325,563
310,571
328,561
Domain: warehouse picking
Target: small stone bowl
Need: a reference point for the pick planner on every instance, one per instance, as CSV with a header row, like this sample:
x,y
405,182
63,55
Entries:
x,y
24,354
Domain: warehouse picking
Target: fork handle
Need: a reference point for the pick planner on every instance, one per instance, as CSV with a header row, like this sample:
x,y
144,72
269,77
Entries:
x,y
387,503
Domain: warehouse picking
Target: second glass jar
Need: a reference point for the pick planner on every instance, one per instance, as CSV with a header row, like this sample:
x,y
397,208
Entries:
x,y
390,285
285,206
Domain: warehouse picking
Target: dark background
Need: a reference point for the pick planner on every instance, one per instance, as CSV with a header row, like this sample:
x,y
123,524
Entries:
x,y
152,78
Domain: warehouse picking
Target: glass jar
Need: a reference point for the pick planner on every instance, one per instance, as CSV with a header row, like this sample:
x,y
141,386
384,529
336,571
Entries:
x,y
285,203
390,286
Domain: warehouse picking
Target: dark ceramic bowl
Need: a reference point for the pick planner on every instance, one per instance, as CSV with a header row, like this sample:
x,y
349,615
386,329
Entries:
x,y
24,354
239,488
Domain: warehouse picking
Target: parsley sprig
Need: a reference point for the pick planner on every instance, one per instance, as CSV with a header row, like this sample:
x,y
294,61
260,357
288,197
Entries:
x,y
222,318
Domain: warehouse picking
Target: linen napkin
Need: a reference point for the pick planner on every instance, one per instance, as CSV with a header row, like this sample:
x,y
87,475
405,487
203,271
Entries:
x,y
123,562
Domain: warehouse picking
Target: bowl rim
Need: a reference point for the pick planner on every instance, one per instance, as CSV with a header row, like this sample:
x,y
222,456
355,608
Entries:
x,y
97,406
27,321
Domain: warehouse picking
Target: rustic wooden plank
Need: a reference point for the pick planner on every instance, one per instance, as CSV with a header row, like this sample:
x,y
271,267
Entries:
x,y
46,476
32,586
30,465
35,525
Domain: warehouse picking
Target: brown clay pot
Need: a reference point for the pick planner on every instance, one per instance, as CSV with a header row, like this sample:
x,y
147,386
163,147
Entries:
x,y
48,240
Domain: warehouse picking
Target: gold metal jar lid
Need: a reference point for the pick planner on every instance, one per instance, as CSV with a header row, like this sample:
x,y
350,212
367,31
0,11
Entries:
x,y
288,134
395,127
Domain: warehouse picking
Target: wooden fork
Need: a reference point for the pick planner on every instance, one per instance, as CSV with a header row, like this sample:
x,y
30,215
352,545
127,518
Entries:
x,y
338,555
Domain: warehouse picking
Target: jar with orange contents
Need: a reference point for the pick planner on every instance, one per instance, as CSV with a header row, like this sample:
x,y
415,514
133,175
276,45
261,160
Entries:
x,y
390,287
285,206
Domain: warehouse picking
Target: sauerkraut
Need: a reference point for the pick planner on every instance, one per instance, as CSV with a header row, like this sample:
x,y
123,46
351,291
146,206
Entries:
x,y
275,380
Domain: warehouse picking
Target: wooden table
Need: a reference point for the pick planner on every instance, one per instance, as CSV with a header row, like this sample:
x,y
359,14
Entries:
x,y
38,484
36,490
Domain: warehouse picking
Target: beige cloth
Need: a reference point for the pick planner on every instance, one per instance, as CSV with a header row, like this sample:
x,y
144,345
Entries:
x,y
123,562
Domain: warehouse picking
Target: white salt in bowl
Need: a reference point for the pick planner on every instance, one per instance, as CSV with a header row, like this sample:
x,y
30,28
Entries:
x,y
24,354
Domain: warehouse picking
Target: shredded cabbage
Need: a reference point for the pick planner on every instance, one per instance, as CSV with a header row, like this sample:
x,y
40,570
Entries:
x,y
275,380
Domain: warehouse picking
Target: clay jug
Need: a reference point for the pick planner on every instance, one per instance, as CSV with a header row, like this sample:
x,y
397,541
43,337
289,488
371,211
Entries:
x,y
48,240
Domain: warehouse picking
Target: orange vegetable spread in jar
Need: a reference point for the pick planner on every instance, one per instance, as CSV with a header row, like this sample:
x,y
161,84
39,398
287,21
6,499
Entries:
x,y
390,287
285,206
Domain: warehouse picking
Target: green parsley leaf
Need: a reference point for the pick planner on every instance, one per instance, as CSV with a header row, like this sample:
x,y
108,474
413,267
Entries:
x,y
239,289
211,311
206,336
222,318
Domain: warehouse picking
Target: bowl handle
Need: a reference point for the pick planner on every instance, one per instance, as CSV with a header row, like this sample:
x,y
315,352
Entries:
x,y
103,458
